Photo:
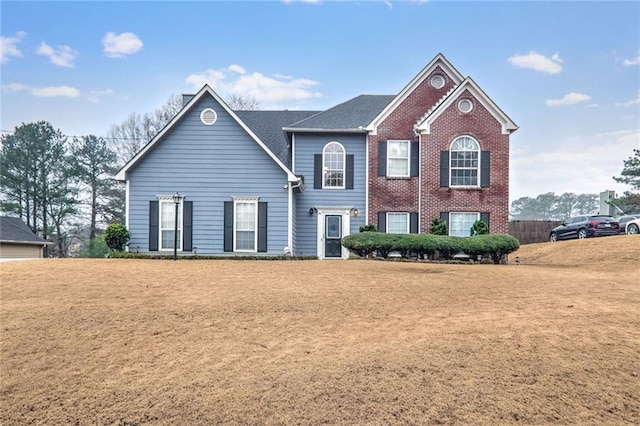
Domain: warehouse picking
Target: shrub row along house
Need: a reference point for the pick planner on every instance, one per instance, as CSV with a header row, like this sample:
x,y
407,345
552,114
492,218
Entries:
x,y
274,182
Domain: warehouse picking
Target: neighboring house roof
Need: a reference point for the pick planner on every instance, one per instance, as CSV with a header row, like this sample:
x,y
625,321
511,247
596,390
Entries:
x,y
352,115
268,125
508,126
14,230
121,174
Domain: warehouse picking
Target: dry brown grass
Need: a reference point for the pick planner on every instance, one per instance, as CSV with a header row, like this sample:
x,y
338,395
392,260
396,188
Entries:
x,y
338,342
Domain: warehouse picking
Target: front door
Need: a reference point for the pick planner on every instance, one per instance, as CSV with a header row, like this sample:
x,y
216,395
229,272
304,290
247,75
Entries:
x,y
333,235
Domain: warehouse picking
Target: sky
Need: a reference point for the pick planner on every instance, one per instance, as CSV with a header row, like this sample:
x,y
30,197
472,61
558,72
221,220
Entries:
x,y
567,73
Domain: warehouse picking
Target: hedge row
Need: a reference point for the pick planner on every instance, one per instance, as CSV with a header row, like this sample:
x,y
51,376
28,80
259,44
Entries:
x,y
130,255
427,245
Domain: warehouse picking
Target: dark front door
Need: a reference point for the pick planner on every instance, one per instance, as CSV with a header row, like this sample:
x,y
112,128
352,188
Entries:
x,y
332,236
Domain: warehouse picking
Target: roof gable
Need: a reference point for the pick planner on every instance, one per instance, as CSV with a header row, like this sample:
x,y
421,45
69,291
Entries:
x,y
424,124
206,90
438,61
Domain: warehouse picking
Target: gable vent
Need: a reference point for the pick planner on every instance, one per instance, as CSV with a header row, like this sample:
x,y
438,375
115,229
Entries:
x,y
208,116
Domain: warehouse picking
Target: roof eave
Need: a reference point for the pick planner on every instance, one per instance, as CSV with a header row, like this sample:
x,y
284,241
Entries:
x,y
316,130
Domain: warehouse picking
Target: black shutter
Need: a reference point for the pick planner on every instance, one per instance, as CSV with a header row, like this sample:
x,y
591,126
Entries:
x,y
262,226
484,216
317,171
187,225
444,169
444,216
382,221
415,159
382,158
413,223
228,226
348,184
485,167
153,225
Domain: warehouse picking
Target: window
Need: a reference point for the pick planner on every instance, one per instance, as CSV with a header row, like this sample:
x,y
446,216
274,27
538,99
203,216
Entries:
x,y
460,223
398,223
333,166
437,81
167,222
245,225
464,162
398,159
465,105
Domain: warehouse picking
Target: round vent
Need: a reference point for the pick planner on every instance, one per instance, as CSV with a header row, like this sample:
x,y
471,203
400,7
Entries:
x,y
208,116
465,105
437,81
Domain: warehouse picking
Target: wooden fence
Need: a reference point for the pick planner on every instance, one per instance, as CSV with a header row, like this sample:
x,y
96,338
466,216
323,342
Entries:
x,y
532,231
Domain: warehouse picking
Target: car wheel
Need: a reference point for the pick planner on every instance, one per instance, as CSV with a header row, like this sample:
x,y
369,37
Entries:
x,y
632,229
582,234
553,237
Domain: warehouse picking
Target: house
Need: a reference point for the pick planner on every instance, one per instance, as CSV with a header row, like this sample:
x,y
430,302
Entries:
x,y
275,182
17,241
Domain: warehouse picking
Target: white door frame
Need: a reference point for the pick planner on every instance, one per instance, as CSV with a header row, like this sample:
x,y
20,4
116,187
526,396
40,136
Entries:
x,y
345,212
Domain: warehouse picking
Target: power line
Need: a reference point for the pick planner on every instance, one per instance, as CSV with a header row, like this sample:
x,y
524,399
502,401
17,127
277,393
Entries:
x,y
76,136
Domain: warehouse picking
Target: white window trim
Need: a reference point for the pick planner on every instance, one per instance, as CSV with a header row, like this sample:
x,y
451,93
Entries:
x,y
407,231
344,166
477,185
169,200
247,200
453,213
408,158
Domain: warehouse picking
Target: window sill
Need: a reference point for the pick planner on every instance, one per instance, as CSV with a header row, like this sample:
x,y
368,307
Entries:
x,y
398,177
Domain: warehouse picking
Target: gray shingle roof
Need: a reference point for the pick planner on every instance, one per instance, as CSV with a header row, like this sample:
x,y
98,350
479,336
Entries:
x,y
267,125
350,115
13,229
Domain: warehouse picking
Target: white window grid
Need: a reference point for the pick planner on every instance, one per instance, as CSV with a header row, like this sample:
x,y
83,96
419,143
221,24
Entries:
x,y
398,158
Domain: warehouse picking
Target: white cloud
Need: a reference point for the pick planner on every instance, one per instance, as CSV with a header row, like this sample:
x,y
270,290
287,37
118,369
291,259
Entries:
x,y
631,62
95,95
63,56
568,99
8,46
600,157
632,102
121,45
44,92
237,69
592,106
268,90
538,62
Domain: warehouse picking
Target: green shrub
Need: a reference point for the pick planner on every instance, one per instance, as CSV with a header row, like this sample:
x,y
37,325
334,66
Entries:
x,y
97,247
495,246
116,236
369,227
479,228
438,227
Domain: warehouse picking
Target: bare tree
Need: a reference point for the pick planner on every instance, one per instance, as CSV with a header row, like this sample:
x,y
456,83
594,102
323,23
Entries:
x,y
242,101
127,138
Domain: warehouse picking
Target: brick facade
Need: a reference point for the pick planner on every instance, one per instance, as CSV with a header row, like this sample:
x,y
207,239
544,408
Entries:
x,y
423,194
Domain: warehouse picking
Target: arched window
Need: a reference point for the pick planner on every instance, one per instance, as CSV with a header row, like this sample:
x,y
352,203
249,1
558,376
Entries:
x,y
333,165
465,159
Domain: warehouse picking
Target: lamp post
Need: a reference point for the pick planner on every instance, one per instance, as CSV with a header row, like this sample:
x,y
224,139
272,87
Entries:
x,y
177,199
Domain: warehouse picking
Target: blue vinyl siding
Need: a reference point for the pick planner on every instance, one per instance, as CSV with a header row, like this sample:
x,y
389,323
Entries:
x,y
209,165
306,146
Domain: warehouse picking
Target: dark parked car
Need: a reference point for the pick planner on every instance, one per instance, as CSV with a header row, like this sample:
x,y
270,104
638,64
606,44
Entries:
x,y
624,220
584,227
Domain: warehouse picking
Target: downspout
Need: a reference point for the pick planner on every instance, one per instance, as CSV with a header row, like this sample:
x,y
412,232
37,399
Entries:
x,y
126,208
291,186
366,180
420,183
